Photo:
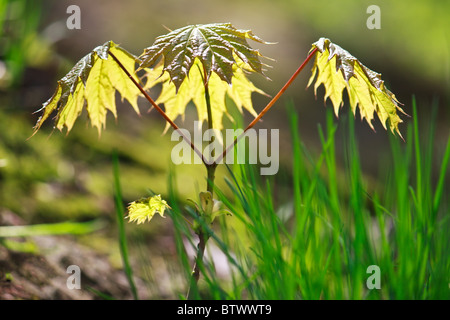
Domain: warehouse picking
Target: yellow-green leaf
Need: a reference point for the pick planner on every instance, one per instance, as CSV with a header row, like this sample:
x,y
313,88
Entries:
x,y
145,209
337,69
92,82
72,109
192,89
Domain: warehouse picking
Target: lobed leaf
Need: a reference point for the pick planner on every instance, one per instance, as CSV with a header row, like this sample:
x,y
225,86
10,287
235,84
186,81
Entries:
x,y
92,82
337,69
215,45
192,89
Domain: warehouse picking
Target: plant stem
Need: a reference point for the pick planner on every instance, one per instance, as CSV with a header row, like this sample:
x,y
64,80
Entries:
x,y
120,213
210,166
198,261
153,103
269,105
211,169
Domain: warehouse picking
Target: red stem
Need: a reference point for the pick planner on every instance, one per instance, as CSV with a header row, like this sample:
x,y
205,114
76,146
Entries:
x,y
269,105
153,103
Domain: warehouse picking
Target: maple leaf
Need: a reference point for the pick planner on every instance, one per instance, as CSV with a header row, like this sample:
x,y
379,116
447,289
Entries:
x,y
192,89
215,45
93,82
145,209
337,69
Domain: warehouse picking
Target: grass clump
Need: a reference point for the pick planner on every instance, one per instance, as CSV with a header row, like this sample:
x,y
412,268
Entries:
x,y
322,242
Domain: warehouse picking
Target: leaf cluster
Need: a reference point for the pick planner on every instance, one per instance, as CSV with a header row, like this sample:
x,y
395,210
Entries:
x,y
216,55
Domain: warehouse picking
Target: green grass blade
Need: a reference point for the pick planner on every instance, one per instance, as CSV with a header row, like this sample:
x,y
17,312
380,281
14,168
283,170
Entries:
x,y
441,180
120,215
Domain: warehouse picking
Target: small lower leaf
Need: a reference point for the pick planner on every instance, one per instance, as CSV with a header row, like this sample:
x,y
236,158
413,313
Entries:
x,y
145,209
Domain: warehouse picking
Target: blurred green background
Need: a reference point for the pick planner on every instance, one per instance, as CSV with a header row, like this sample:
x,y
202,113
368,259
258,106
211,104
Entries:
x,y
53,177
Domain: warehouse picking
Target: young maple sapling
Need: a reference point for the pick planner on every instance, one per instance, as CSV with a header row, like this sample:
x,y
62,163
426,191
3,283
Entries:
x,y
204,64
